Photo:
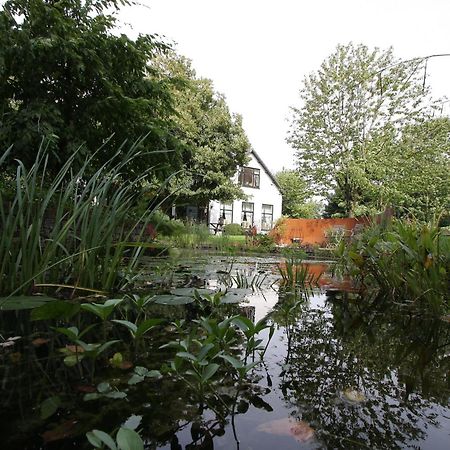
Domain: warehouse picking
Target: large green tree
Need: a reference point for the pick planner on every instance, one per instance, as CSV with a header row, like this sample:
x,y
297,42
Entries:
x,y
205,125
68,77
355,97
296,194
416,179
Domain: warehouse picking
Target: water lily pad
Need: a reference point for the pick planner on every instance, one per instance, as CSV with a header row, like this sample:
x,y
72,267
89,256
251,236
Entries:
x,y
172,300
23,302
190,291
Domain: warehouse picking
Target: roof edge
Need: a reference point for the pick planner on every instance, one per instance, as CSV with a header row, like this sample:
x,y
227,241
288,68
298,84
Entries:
x,y
269,173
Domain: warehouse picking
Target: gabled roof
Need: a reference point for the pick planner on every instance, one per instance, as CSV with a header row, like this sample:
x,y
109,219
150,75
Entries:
x,y
266,169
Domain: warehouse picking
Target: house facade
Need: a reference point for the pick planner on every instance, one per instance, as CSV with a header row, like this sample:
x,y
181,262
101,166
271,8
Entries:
x,y
262,207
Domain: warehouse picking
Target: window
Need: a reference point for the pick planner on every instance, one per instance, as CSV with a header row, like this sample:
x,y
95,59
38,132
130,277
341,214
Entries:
x,y
267,217
249,177
227,211
247,212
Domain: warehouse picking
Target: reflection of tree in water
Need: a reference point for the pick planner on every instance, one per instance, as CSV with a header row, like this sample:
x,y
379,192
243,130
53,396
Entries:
x,y
397,362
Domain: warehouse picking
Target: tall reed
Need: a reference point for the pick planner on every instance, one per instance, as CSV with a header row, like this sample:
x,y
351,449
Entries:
x,y
71,229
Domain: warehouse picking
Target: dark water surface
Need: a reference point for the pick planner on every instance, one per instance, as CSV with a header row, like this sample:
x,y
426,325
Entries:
x,y
340,372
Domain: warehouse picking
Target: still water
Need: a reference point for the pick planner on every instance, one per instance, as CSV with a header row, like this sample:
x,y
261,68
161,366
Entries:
x,y
341,372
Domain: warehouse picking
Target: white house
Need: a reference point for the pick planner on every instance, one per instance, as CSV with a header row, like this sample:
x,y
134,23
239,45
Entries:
x,y
261,209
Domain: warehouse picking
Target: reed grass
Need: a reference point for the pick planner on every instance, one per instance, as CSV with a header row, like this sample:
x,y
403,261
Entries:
x,y
71,229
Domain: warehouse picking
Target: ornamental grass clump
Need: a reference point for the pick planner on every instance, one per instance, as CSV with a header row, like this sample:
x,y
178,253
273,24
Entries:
x,y
72,229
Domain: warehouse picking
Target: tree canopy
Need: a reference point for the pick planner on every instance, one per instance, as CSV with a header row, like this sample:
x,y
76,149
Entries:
x,y
205,125
66,76
358,102
296,195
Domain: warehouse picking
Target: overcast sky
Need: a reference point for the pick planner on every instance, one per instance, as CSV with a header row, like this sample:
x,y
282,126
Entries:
x,y
258,51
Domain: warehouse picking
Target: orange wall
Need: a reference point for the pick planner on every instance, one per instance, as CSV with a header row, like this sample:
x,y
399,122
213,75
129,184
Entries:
x,y
312,231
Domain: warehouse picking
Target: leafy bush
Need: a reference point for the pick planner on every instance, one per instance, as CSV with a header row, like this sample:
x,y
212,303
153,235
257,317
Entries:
x,y
233,229
166,226
407,261
265,242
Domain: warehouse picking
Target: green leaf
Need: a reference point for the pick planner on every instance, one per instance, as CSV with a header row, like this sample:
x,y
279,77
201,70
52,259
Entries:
x,y
101,310
186,355
129,440
142,371
135,379
50,406
97,438
58,309
233,361
243,323
132,422
23,302
106,345
204,350
73,360
172,300
72,332
103,387
147,325
116,394
91,396
209,371
131,326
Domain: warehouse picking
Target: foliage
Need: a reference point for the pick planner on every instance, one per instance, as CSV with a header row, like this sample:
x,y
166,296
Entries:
x,y
70,230
416,180
296,195
407,261
357,97
233,229
214,135
68,77
126,439
166,226
295,272
264,242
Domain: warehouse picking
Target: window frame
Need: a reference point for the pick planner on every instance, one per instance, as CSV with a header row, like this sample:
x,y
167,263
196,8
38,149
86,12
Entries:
x,y
250,213
264,215
254,173
228,209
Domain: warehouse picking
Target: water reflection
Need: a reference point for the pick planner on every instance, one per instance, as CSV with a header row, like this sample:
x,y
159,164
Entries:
x,y
348,373
396,362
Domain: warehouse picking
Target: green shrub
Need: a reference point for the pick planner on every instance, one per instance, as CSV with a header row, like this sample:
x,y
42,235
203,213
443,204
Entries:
x,y
233,229
264,242
166,226
409,262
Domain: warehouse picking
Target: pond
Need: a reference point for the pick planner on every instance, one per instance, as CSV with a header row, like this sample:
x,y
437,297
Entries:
x,y
339,372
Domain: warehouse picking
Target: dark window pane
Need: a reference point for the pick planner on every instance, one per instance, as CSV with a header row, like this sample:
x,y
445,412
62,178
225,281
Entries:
x,y
267,217
249,177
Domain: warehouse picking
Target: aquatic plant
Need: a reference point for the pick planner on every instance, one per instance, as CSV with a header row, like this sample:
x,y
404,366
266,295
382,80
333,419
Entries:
x,y
407,261
71,231
295,273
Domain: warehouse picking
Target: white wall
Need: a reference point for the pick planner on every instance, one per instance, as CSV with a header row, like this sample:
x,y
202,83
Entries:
x,y
267,194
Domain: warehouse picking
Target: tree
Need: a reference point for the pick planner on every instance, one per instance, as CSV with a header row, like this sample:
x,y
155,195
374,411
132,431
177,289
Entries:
x,y
216,138
296,195
67,77
417,179
357,96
